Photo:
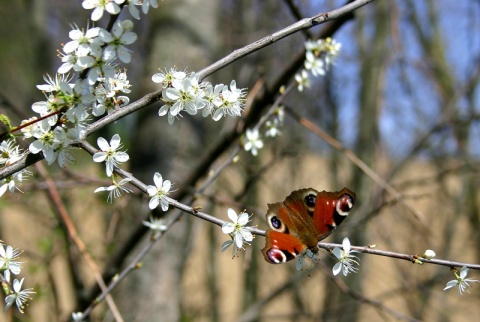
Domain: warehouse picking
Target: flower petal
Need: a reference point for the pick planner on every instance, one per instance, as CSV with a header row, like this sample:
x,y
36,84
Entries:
x,y
167,184
163,110
164,204
121,157
346,245
158,180
101,189
451,284
246,235
238,240
109,168
153,203
103,144
97,14
15,269
337,252
99,156
151,190
337,268
17,285
115,142
228,228
463,272
9,301
232,215
242,219
217,115
35,147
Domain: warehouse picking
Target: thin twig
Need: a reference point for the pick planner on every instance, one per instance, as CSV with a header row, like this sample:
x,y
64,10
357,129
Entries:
x,y
134,264
407,257
72,233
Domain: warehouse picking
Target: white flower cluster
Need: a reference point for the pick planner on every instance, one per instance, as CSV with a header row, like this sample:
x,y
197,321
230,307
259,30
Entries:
x,y
320,55
96,49
183,92
64,114
107,97
9,264
68,106
10,153
275,122
252,141
113,7
112,157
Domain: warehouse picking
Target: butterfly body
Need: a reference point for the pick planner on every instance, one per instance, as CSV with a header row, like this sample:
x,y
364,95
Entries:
x,y
304,218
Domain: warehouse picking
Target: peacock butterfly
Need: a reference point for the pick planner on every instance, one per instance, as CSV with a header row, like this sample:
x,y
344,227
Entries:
x,y
302,220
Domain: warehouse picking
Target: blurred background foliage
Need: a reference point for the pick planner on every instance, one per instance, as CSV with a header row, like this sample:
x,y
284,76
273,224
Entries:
x,y
403,96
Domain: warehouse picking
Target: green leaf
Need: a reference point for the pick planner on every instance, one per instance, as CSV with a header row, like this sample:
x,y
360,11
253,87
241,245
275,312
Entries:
x,y
5,120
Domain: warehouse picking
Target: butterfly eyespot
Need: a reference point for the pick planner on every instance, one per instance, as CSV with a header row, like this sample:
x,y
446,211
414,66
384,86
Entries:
x,y
310,200
277,256
274,218
276,223
344,205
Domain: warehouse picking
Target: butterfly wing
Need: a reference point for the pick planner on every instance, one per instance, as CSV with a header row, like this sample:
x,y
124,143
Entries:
x,y
331,208
281,247
302,220
291,228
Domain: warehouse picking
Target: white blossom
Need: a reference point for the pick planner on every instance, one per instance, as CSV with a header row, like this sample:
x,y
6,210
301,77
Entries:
x,y
20,297
155,224
109,153
9,261
461,281
159,192
116,41
303,81
252,141
117,189
237,231
346,261
99,6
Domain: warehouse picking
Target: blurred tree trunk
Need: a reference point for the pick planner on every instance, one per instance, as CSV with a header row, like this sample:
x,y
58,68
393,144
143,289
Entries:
x,y
159,281
373,51
25,57
449,90
430,39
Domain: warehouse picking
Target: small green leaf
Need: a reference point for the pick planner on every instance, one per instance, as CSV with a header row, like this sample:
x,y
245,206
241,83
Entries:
x,y
5,120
